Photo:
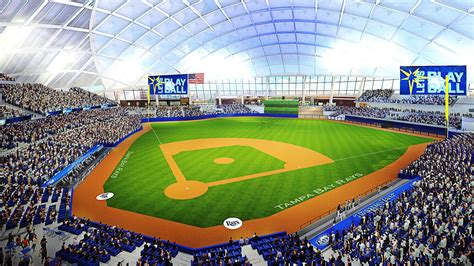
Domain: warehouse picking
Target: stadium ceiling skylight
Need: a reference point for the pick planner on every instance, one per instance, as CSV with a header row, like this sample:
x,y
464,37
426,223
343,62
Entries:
x,y
117,43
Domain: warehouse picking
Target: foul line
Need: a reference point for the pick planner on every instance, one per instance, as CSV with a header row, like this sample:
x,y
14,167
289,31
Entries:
x,y
152,128
370,153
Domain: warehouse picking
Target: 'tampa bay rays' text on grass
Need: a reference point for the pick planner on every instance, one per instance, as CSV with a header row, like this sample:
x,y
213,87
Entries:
x,y
318,191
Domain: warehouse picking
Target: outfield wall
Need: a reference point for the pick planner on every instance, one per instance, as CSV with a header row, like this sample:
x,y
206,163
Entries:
x,y
169,119
401,125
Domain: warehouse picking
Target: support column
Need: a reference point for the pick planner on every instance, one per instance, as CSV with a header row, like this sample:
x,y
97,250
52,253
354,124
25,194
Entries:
x,y
219,94
332,90
304,89
268,87
241,89
362,84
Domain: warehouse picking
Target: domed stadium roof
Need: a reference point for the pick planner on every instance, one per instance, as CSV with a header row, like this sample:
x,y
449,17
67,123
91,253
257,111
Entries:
x,y
114,43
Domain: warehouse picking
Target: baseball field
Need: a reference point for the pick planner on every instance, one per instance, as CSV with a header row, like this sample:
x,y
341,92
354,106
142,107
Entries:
x,y
201,172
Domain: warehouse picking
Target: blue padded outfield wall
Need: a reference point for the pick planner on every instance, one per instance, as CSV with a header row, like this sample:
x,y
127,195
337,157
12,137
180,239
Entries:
x,y
168,119
430,129
321,240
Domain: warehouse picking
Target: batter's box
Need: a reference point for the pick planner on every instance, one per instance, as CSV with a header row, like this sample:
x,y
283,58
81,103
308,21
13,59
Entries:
x,y
295,157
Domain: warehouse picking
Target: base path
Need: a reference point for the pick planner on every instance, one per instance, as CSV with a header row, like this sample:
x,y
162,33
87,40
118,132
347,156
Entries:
x,y
289,220
295,157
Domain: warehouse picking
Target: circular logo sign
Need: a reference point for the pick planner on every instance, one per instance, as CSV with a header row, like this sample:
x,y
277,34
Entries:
x,y
323,240
104,196
232,223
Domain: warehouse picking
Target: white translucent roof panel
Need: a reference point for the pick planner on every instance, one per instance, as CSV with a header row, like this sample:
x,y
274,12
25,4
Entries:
x,y
117,43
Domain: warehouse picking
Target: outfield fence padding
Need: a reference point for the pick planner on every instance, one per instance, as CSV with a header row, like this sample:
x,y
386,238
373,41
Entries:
x,y
400,125
169,119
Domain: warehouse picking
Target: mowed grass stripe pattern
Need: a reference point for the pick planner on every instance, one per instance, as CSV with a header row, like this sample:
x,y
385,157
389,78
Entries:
x,y
139,187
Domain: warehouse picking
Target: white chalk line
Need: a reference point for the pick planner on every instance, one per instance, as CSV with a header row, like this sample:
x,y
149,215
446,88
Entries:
x,y
371,153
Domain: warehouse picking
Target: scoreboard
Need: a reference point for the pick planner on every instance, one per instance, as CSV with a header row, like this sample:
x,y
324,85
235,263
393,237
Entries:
x,y
168,84
431,80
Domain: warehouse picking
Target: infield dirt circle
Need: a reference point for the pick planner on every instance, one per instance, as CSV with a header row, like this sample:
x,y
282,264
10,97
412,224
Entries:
x,y
223,160
186,190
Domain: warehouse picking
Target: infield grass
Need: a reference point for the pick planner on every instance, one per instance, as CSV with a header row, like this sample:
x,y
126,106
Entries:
x,y
139,186
199,164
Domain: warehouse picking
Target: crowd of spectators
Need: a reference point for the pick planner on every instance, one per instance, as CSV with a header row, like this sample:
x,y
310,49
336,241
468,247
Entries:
x,y
22,206
191,111
7,112
158,252
360,111
236,109
178,111
414,116
289,250
33,130
426,100
380,95
431,224
385,96
451,157
113,240
41,99
53,150
5,77
430,117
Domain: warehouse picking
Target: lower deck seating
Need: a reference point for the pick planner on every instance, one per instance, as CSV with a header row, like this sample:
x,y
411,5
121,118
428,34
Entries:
x,y
84,254
283,249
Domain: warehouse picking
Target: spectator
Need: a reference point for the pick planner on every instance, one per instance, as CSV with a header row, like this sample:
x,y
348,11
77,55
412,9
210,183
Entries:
x,y
8,112
432,223
41,99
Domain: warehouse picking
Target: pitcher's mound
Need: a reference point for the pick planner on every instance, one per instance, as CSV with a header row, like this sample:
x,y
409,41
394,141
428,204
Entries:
x,y
223,160
186,190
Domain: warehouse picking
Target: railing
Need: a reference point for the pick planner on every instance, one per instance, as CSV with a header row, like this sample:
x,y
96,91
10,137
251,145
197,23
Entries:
x,y
319,217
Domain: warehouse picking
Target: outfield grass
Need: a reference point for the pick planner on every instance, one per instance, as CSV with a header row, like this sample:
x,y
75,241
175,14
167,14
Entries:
x,y
139,186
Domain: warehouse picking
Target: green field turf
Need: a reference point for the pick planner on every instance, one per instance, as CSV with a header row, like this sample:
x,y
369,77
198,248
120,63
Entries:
x,y
139,186
205,170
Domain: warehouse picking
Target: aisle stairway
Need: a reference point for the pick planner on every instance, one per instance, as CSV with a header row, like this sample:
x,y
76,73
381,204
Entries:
x,y
254,258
